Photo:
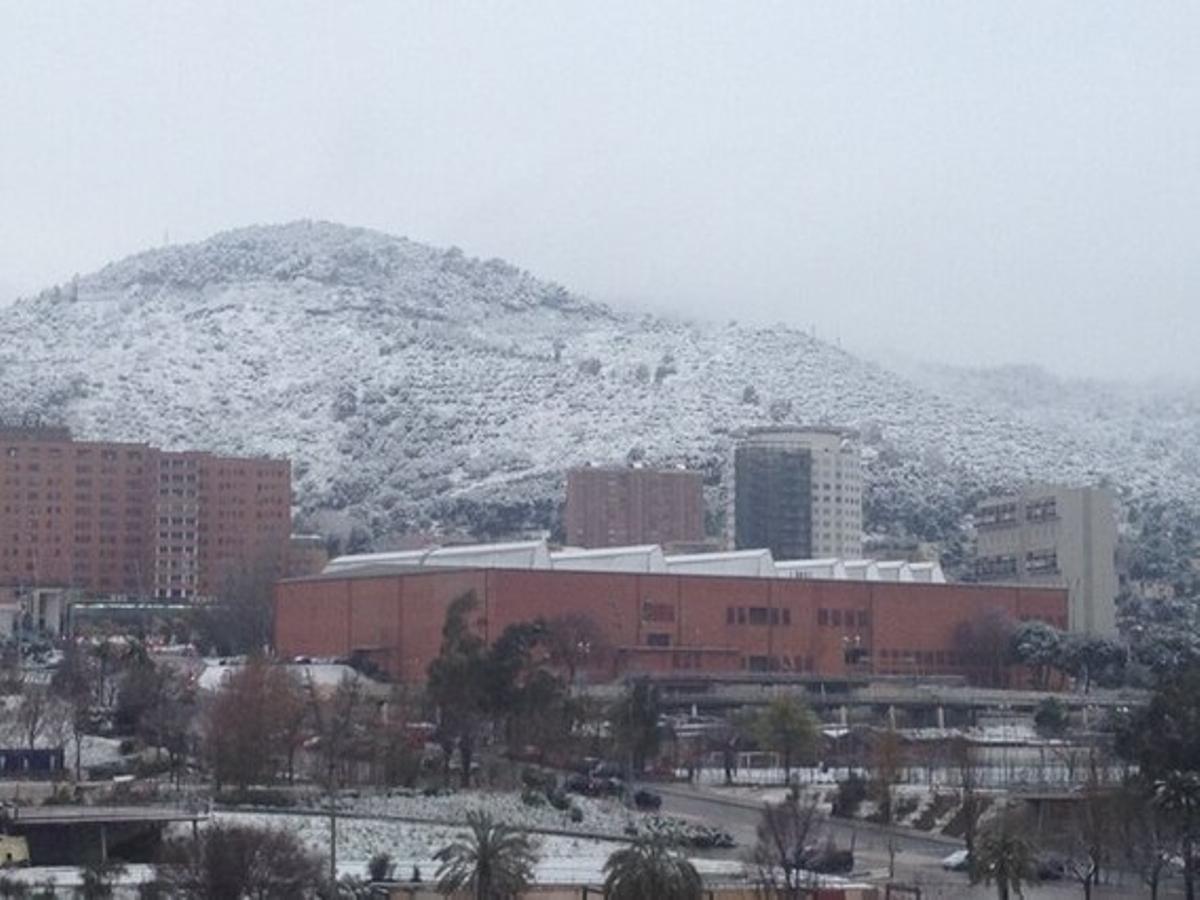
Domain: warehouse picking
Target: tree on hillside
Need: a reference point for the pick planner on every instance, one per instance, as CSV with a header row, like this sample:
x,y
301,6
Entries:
x,y
634,720
491,861
457,684
787,726
651,867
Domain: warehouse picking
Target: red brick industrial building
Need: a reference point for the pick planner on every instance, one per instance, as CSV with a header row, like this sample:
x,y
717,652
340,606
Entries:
x,y
616,507
659,622
115,518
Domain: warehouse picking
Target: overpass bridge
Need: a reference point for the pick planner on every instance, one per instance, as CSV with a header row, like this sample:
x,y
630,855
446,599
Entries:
x,y
933,701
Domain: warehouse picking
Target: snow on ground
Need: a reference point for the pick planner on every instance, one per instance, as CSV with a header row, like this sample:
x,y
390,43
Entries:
x,y
360,839
606,817
95,751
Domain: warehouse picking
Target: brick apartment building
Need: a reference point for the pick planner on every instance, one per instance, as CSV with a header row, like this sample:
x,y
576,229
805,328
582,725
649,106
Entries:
x,y
620,506
116,518
658,622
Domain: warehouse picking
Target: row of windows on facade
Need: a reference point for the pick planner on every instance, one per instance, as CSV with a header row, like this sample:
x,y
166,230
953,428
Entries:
x,y
1037,562
757,615
925,657
1040,510
80,452
778,664
172,462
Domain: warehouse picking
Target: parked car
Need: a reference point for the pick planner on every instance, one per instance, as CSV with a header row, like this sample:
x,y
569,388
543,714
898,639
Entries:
x,y
958,861
594,787
1050,867
645,799
826,859
607,769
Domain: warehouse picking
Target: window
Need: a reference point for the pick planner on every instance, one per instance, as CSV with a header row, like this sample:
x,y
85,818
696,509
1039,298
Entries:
x,y
862,618
741,615
758,663
1041,510
1041,562
658,640
758,615
822,617
787,616
837,618
774,616
657,612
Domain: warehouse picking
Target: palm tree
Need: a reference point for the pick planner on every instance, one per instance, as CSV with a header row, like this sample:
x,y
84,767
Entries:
x,y
1002,857
650,869
491,861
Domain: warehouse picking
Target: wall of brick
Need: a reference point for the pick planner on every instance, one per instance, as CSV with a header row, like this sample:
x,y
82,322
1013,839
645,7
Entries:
x,y
661,622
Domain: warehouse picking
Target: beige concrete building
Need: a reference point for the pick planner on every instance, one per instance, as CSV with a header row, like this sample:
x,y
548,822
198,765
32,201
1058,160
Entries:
x,y
1054,536
798,492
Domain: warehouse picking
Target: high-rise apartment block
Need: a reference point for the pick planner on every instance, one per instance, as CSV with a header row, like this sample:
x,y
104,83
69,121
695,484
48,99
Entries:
x,y
617,507
1054,536
798,492
113,518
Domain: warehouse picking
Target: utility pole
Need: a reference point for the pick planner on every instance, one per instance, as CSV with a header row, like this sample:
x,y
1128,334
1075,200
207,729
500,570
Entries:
x,y
332,824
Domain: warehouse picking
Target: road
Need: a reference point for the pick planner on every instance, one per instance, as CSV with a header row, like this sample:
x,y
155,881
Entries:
x,y
917,860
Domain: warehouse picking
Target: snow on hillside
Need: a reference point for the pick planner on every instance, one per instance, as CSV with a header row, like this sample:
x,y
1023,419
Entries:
x,y
415,387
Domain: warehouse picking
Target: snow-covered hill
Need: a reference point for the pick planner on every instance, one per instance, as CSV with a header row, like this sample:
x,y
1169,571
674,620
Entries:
x,y
414,387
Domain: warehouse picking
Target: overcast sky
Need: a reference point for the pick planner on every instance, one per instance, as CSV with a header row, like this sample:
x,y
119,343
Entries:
x,y
962,182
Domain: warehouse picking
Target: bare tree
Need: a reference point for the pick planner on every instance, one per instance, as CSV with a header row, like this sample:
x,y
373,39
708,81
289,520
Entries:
x,y
338,724
784,833
1148,837
245,725
965,761
886,760
240,861
987,640
40,714
1090,830
576,642
75,684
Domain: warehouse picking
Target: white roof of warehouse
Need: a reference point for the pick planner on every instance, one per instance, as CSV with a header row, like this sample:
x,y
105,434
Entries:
x,y
643,558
